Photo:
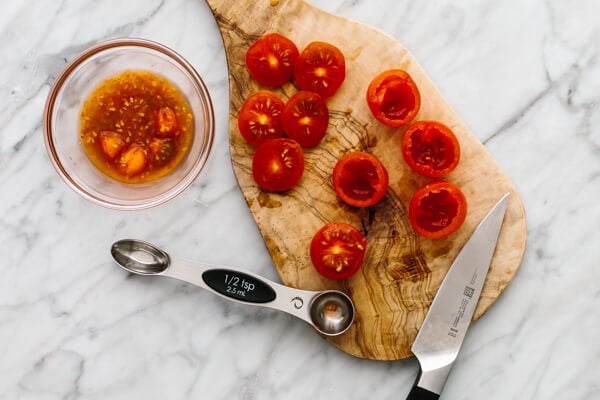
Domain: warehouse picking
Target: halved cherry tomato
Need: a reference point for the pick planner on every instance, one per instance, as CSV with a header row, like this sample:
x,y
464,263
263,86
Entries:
x,y
393,98
360,179
337,250
166,122
431,149
260,117
305,118
437,209
320,68
278,164
271,59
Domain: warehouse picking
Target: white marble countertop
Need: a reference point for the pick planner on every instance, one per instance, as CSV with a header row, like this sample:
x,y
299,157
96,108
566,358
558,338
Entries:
x,y
525,76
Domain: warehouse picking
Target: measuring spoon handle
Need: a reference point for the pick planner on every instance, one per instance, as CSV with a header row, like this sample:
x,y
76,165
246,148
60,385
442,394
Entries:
x,y
242,286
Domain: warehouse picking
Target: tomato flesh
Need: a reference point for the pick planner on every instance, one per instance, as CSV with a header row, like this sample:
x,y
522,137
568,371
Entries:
x,y
360,179
437,210
161,151
133,160
305,118
259,118
278,164
320,68
271,59
112,144
166,122
337,250
431,149
393,98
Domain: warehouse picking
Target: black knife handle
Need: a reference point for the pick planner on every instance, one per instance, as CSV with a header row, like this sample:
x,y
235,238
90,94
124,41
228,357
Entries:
x,y
418,393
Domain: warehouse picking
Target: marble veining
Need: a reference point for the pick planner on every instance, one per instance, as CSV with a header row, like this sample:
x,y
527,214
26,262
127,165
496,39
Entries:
x,y
525,76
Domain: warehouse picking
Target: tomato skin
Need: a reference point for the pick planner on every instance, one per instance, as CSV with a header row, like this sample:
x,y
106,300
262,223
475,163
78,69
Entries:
x,y
360,179
337,250
305,118
259,118
394,98
278,164
431,149
320,68
437,209
271,58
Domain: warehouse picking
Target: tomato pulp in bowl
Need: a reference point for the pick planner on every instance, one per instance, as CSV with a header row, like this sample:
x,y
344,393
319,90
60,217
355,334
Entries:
x,y
74,86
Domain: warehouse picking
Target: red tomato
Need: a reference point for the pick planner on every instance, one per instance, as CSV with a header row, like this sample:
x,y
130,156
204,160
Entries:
x,y
259,118
360,179
337,250
305,118
271,59
278,164
431,149
393,98
320,68
166,122
437,210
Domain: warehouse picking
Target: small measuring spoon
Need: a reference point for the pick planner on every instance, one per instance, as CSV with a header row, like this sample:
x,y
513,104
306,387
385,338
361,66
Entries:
x,y
330,312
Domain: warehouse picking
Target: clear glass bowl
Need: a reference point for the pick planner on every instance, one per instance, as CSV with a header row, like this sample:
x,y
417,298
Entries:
x,y
62,124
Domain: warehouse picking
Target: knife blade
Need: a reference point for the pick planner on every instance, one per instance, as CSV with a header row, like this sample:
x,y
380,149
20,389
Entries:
x,y
443,331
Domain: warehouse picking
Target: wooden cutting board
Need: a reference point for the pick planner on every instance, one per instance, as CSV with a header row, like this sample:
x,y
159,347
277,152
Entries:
x,y
402,271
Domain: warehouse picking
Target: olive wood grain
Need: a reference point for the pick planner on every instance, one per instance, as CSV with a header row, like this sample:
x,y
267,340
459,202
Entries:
x,y
402,271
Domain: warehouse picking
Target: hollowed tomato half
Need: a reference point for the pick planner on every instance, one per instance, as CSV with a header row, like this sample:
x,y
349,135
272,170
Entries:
x,y
437,210
360,179
393,98
431,149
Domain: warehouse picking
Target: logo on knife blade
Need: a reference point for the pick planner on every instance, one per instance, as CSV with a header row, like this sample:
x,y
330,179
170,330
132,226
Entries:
x,y
469,291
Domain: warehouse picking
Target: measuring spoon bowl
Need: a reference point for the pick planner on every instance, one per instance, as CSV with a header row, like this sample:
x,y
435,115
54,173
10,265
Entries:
x,y
329,312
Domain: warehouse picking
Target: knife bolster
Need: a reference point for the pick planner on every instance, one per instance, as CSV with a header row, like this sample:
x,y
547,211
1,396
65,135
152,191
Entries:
x,y
433,379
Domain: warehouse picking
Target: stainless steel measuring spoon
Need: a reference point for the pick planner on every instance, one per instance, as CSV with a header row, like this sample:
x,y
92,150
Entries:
x,y
330,312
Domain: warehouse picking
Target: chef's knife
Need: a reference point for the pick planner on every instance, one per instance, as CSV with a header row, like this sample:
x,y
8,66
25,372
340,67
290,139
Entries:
x,y
442,333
